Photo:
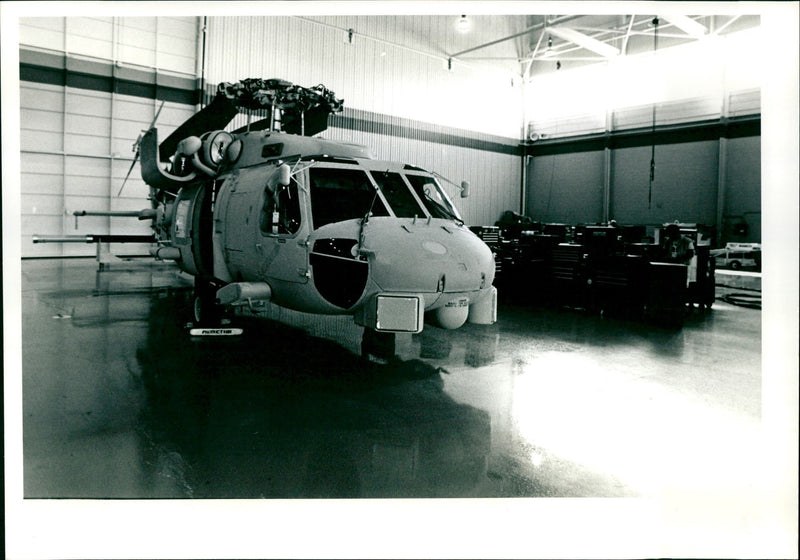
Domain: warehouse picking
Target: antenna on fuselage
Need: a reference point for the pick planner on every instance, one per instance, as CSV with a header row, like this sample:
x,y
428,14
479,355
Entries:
x,y
365,219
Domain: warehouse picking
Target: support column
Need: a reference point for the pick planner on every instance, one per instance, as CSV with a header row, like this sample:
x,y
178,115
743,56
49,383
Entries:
x,y
64,165
722,170
607,185
523,203
607,166
528,162
200,59
721,186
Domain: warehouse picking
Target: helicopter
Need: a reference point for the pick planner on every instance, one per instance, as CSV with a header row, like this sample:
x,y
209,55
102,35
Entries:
x,y
272,213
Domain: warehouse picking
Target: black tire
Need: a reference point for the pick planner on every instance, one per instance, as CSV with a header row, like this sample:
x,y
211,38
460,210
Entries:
x,y
206,311
378,344
736,265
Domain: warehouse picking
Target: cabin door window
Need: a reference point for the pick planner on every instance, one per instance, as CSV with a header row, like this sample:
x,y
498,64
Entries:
x,y
280,214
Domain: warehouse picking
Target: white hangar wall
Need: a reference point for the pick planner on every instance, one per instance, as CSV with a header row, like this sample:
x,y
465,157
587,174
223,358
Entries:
x,y
88,86
464,123
592,159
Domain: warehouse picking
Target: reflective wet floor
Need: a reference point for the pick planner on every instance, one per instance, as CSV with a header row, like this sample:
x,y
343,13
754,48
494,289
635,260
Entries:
x,y
120,402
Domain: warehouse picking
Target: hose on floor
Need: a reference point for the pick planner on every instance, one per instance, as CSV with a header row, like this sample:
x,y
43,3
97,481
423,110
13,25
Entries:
x,y
751,301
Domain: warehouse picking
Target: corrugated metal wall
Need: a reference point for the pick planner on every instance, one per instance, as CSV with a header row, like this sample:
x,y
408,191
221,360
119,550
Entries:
x,y
570,187
566,190
387,82
76,143
464,122
164,43
371,74
743,188
567,184
719,77
684,187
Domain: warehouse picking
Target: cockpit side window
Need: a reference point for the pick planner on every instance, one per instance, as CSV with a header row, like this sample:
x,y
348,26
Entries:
x,y
339,194
280,214
429,192
397,194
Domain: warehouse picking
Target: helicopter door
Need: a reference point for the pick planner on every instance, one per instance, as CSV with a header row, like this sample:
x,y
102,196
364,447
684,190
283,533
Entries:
x,y
240,241
280,224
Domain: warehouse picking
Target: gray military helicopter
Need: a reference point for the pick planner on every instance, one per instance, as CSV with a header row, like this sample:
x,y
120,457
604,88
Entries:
x,y
270,213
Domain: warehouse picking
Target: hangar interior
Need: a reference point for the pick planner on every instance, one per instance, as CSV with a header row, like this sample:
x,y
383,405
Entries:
x,y
415,89
558,122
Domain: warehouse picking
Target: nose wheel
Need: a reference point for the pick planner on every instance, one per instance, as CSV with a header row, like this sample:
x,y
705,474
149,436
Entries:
x,y
377,346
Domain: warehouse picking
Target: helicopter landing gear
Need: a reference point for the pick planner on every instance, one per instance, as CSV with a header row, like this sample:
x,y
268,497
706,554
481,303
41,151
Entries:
x,y
206,312
377,346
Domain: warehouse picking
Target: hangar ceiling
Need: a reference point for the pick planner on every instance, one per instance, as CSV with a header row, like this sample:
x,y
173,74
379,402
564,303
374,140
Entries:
x,y
535,44
586,39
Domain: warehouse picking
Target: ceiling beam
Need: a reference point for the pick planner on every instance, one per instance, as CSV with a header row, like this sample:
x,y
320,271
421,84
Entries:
x,y
560,19
527,70
585,41
650,33
628,35
730,21
687,25
496,41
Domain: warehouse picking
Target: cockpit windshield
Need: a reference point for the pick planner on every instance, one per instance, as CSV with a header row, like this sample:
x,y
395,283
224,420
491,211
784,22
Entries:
x,y
431,195
339,194
403,203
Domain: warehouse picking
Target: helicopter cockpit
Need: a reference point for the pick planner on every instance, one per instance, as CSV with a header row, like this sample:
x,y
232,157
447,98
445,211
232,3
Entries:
x,y
341,193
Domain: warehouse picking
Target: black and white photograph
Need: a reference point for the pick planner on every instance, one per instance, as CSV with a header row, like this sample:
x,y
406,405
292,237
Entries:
x,y
400,279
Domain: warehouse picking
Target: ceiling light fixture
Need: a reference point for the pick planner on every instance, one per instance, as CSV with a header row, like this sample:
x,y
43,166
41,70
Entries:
x,y
463,25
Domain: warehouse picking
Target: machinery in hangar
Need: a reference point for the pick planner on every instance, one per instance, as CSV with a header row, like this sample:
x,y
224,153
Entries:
x,y
269,213
605,267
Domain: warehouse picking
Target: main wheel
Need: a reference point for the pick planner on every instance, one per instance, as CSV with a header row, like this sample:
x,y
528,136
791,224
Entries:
x,y
377,344
736,265
206,311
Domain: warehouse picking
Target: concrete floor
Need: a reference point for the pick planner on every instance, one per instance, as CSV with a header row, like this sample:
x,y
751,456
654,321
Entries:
x,y
119,402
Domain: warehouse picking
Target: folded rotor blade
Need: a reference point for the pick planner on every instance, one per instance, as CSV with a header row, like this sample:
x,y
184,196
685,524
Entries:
x,y
214,116
136,145
133,164
153,123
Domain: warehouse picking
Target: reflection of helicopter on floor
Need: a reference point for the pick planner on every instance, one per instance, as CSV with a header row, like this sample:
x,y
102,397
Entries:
x,y
234,418
260,215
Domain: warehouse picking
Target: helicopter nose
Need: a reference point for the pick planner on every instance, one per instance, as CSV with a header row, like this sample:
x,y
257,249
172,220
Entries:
x,y
428,257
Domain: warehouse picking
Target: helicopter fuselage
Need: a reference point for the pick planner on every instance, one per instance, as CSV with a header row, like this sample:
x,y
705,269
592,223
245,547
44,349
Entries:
x,y
336,233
